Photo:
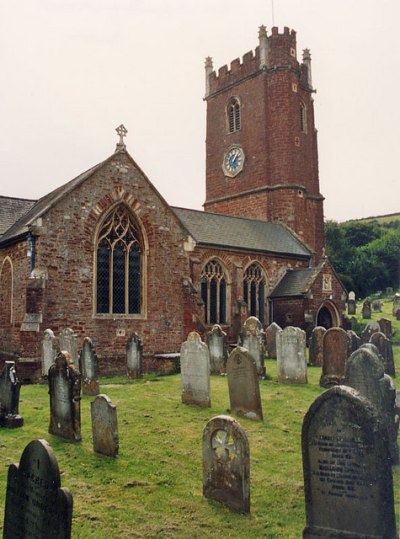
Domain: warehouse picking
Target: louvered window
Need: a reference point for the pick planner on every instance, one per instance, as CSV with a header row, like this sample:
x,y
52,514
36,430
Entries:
x,y
213,292
234,113
254,288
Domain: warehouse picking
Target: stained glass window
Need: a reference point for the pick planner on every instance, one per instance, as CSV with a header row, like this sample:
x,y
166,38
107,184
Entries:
x,y
254,286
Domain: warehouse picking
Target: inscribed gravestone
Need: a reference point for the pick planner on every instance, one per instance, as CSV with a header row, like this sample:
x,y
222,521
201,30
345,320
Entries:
x,y
243,384
252,338
50,349
366,309
69,343
270,339
9,397
36,505
385,348
386,327
226,463
104,426
336,347
88,368
315,351
365,373
65,396
134,352
195,371
291,355
218,348
347,471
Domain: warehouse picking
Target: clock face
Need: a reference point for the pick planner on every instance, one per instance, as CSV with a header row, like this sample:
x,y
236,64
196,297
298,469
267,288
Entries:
x,y
233,161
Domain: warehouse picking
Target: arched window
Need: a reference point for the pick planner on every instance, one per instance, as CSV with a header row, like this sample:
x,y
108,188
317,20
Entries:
x,y
213,292
303,118
234,120
254,288
119,265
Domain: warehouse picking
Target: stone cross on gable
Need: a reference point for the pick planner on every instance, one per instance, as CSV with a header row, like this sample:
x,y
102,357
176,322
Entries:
x,y
122,131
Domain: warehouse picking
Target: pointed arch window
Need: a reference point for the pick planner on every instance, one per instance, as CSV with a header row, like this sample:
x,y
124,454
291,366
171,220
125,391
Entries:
x,y
213,292
234,115
119,264
254,291
303,118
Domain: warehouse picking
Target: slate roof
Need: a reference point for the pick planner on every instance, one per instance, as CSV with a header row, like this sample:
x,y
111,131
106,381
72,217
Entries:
x,y
295,282
12,209
218,230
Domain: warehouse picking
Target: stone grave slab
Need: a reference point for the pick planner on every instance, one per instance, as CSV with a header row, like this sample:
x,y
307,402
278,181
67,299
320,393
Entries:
x,y
336,347
195,371
291,356
88,368
218,348
385,348
386,327
134,354
270,339
50,349
351,307
9,397
366,309
226,463
104,426
243,384
316,350
69,343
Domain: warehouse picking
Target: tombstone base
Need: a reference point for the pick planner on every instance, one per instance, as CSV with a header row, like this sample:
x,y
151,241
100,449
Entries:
x,y
188,399
11,421
287,380
134,374
328,533
91,388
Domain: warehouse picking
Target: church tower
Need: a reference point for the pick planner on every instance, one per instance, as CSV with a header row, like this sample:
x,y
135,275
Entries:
x,y
261,145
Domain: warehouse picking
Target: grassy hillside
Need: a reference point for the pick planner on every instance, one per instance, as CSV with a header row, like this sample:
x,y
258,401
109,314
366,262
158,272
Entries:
x,y
380,219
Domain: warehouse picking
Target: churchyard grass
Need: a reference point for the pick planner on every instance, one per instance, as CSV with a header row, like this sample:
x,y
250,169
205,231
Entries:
x,y
154,488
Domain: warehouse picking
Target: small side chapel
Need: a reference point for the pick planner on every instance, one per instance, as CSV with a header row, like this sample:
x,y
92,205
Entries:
x,y
106,255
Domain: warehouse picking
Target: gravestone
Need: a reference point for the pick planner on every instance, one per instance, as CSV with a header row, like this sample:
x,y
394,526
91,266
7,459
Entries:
x,y
336,346
385,348
366,309
365,373
195,371
291,356
252,338
104,426
372,327
377,306
37,507
315,351
243,384
270,339
69,343
88,368
352,295
9,397
348,480
396,304
134,354
50,349
226,463
389,291
218,348
351,306
65,396
386,327
355,340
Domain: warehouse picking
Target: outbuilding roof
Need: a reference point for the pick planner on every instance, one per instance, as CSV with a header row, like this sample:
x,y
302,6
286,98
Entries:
x,y
295,282
12,209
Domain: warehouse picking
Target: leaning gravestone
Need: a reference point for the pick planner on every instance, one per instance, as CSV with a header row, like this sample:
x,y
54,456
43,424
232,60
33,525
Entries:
x,y
366,309
226,463
385,348
88,368
50,349
195,371
65,396
336,347
134,353
252,338
69,343
348,480
36,505
218,348
270,339
315,351
291,356
243,384
104,426
9,397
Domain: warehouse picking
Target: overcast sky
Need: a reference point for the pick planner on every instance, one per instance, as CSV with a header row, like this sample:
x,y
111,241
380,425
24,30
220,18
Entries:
x,y
73,70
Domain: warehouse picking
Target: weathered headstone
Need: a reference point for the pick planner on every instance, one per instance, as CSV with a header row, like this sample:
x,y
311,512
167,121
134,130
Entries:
x,y
69,343
9,397
385,348
366,309
252,338
348,480
316,350
355,340
270,339
398,314
396,303
104,426
195,371
351,307
386,327
243,383
377,306
365,373
226,463
370,328
50,349
37,507
218,348
134,354
291,356
336,347
352,295
389,291
65,396
88,368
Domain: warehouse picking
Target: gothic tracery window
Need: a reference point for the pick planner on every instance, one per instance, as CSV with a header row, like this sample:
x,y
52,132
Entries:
x,y
213,292
119,265
254,288
234,115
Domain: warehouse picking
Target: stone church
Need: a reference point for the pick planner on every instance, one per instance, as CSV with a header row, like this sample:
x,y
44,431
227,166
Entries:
x,y
106,255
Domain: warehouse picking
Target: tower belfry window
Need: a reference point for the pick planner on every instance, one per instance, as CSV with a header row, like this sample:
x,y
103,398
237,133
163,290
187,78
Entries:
x,y
234,115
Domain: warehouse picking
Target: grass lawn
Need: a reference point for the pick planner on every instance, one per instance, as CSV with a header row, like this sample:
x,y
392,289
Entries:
x,y
154,488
